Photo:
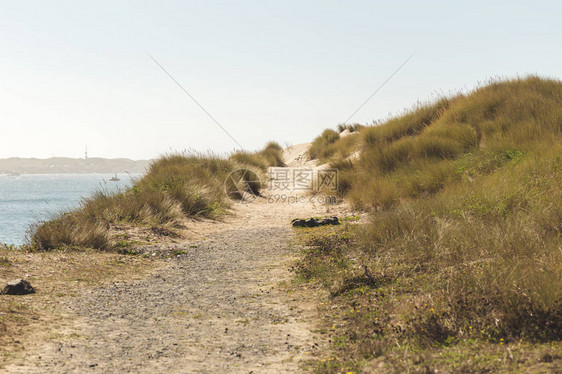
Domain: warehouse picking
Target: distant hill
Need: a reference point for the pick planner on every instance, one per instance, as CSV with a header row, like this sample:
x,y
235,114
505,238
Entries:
x,y
63,165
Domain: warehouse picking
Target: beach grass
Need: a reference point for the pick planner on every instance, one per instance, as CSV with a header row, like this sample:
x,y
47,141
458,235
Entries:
x,y
176,186
464,240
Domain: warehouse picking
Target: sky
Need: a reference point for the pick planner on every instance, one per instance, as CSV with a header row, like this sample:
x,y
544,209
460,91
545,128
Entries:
x,y
76,73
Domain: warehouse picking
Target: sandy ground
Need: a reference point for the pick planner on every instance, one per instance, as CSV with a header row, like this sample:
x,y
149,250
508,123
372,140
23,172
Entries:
x,y
218,306
295,156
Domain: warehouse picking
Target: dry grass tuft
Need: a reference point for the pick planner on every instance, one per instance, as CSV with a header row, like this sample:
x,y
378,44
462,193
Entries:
x,y
271,155
330,147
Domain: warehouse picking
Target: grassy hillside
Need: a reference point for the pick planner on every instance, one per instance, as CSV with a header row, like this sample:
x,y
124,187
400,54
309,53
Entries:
x,y
464,242
175,187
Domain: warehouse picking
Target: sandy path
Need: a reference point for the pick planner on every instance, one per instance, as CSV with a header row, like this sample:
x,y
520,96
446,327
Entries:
x,y
218,308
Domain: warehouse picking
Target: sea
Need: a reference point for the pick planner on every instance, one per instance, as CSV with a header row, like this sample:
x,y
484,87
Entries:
x,y
28,199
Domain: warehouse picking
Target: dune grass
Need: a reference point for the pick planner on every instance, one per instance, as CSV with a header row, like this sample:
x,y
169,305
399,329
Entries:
x,y
350,127
464,241
270,155
329,146
176,186
494,122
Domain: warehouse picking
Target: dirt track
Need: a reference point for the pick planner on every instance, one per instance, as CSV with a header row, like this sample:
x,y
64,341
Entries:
x,y
216,308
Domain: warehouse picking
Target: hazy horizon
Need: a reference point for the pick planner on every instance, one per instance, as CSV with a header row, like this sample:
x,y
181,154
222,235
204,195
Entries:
x,y
75,158
77,75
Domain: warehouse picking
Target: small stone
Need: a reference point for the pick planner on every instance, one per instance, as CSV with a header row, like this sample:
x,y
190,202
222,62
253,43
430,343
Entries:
x,y
333,220
298,223
311,222
18,287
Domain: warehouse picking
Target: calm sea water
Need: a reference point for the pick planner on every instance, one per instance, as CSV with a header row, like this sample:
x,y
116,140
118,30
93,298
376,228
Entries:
x,y
28,199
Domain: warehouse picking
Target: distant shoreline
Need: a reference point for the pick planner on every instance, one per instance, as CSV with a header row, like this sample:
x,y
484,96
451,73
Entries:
x,y
64,165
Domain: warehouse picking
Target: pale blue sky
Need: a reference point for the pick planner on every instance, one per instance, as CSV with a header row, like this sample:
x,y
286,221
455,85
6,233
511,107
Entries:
x,y
76,73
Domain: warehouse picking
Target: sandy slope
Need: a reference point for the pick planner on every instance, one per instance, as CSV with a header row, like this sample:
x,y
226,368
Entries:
x,y
295,156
